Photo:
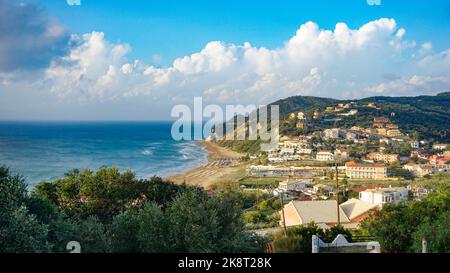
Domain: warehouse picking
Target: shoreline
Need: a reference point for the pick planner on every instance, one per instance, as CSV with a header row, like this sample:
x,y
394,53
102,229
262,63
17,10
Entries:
x,y
222,162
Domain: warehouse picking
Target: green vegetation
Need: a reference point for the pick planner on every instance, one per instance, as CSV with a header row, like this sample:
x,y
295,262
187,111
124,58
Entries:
x,y
396,170
424,116
259,182
247,146
432,182
299,239
264,214
401,228
109,211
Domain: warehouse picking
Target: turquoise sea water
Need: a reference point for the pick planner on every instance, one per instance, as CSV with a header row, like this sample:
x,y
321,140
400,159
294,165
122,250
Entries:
x,y
46,150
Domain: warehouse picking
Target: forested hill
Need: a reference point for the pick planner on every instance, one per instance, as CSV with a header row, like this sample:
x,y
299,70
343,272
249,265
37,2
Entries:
x,y
428,115
303,103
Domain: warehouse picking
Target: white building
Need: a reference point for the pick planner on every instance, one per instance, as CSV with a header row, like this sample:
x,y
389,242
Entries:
x,y
415,144
341,153
325,156
381,197
440,147
295,185
332,133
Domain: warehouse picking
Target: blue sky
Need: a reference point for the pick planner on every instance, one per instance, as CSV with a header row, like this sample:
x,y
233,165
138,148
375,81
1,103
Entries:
x,y
173,28
135,60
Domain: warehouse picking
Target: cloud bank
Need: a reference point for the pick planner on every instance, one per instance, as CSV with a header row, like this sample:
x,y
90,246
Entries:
x,y
28,38
375,59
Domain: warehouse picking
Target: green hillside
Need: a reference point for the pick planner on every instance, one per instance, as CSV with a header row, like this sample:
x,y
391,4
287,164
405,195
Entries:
x,y
427,115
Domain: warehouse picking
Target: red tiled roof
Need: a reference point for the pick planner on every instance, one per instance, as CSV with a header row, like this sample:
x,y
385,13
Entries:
x,y
354,164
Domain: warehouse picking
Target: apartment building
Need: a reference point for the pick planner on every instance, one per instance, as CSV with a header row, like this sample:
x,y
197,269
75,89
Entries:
x,y
381,197
355,170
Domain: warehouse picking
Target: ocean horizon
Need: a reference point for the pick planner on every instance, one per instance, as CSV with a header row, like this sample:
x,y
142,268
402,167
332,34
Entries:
x,y
46,150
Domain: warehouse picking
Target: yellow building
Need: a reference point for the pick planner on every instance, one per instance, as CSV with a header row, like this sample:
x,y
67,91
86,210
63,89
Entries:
x,y
355,170
394,133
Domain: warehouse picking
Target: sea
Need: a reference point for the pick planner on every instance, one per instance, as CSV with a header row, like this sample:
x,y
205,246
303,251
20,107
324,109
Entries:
x,y
45,151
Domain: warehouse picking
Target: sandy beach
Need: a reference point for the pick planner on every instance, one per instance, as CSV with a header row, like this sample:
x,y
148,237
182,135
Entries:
x,y
223,164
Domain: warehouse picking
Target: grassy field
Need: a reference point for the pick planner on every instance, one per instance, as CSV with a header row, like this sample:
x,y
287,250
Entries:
x,y
259,183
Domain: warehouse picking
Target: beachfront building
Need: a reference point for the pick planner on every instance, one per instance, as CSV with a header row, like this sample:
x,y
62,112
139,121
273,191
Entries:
x,y
324,213
355,170
274,171
383,196
325,156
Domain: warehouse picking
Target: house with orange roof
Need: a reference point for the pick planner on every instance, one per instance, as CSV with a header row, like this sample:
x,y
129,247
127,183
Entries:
x,y
354,170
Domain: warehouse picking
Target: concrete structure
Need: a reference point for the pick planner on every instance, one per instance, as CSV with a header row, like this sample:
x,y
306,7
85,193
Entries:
x,y
295,185
355,170
440,147
341,153
394,133
415,144
439,160
381,120
385,158
381,197
273,171
332,133
421,170
418,170
325,156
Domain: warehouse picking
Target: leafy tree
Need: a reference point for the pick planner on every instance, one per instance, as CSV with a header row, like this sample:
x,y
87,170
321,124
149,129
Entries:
x,y
394,226
124,231
437,233
20,231
193,226
152,233
105,193
108,211
298,239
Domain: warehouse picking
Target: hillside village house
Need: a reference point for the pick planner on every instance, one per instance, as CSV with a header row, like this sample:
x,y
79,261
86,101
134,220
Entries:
x,y
394,133
392,126
386,158
381,197
324,213
420,153
341,153
381,120
415,144
440,147
295,185
418,170
325,156
332,133
421,170
355,170
299,147
439,160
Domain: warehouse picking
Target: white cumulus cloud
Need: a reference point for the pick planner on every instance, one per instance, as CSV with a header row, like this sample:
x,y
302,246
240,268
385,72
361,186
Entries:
x,y
374,59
